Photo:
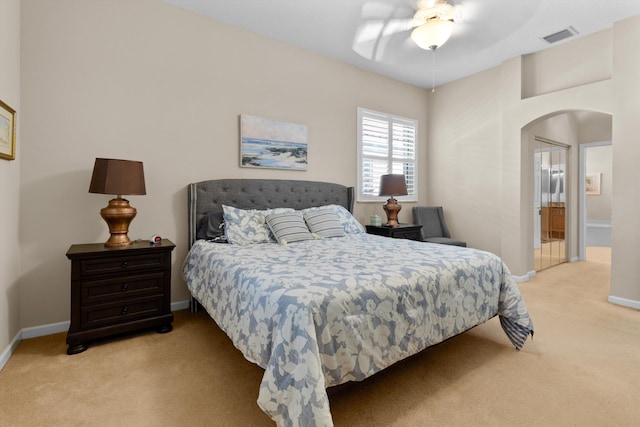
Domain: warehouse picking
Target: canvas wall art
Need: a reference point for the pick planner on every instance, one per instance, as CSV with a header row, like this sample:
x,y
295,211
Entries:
x,y
266,143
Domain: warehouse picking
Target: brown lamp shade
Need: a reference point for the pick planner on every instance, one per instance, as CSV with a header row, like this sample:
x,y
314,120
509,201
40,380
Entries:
x,y
393,185
113,176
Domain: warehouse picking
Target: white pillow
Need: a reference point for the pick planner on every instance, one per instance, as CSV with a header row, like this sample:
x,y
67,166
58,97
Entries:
x,y
324,222
289,227
248,226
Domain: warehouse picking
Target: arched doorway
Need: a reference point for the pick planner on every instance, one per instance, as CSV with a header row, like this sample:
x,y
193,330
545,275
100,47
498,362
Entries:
x,y
570,129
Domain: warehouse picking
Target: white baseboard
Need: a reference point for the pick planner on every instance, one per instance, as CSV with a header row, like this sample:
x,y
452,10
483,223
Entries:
x,y
525,278
42,330
180,305
36,331
54,328
624,302
6,354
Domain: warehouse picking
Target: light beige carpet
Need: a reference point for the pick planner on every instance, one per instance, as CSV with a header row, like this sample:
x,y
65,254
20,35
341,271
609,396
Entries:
x,y
581,369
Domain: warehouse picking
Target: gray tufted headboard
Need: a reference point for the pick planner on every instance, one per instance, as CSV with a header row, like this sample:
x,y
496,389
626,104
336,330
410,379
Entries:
x,y
208,196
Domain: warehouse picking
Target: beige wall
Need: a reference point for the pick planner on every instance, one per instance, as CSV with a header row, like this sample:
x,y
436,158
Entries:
x,y
10,176
599,160
568,65
464,159
489,110
148,81
625,205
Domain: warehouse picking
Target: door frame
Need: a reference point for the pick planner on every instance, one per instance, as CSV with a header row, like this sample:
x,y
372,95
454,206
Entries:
x,y
582,198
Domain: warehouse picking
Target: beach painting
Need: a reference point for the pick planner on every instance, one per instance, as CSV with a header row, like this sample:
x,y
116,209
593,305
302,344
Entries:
x,y
266,143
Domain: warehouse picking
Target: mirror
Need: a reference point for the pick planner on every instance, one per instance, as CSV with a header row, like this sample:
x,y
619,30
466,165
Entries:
x,y
549,204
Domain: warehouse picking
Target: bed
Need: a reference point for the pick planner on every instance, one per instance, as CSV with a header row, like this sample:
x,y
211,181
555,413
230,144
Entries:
x,y
335,307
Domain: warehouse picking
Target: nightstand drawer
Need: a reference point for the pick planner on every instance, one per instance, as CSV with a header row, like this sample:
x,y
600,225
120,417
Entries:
x,y
120,312
401,231
121,264
406,234
105,290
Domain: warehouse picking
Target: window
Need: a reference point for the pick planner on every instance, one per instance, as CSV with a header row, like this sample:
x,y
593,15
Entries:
x,y
386,144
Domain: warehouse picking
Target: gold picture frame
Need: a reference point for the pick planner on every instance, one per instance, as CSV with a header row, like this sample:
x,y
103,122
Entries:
x,y
7,132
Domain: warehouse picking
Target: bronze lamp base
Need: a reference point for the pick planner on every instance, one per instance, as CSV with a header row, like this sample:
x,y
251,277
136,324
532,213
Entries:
x,y
392,208
118,215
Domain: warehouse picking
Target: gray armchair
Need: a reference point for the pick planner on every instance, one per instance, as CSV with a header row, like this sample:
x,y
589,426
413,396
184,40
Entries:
x,y
434,228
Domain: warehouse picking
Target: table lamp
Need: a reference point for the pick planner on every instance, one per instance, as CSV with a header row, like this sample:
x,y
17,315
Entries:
x,y
118,177
392,185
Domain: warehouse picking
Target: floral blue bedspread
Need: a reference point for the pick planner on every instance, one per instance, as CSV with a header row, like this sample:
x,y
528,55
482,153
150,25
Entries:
x,y
319,313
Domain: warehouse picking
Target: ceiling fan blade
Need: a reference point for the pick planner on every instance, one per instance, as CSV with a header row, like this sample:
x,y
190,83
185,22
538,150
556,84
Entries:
x,y
382,27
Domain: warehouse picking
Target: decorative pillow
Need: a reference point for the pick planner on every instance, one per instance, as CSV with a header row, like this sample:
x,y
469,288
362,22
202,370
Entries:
x,y
211,227
324,222
248,226
350,225
289,227
348,221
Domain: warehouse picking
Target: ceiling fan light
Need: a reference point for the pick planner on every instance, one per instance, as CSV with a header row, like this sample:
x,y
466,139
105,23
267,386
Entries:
x,y
432,34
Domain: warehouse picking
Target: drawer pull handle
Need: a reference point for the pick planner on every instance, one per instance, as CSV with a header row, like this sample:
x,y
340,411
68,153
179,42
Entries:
x,y
125,310
125,287
125,264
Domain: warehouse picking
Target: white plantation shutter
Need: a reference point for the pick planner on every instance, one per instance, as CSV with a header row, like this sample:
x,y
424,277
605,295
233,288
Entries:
x,y
386,144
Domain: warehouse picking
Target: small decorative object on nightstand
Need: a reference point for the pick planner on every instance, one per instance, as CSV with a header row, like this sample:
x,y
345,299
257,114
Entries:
x,y
119,289
392,185
401,231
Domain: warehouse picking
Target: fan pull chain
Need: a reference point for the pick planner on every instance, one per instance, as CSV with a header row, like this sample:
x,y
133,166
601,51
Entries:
x,y
433,69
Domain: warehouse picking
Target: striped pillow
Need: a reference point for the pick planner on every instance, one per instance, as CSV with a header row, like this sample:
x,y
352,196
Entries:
x,y
349,223
289,227
324,222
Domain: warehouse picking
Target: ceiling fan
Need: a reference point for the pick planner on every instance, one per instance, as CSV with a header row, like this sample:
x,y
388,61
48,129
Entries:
x,y
386,26
433,23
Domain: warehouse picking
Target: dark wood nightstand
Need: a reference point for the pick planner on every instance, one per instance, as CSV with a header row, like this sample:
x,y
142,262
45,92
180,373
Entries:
x,y
402,231
117,290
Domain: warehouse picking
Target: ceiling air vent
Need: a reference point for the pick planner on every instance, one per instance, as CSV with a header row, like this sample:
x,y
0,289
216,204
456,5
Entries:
x,y
560,35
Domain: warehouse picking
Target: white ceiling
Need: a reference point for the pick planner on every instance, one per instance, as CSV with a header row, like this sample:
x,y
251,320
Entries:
x,y
491,32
